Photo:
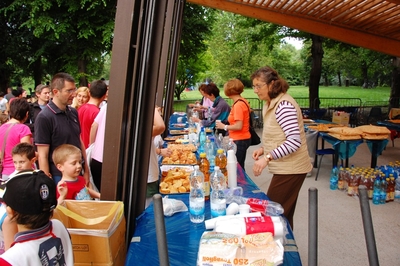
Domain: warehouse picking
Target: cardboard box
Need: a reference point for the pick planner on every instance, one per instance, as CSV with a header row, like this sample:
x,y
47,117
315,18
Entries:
x,y
341,118
97,230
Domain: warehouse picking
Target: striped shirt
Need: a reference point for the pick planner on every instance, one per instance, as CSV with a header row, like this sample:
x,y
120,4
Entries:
x,y
286,116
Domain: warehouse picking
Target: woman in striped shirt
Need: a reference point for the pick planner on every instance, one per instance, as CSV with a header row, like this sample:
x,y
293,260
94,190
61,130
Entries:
x,y
284,147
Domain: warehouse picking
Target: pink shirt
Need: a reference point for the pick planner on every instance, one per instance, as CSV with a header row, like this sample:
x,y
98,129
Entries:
x,y
97,152
16,133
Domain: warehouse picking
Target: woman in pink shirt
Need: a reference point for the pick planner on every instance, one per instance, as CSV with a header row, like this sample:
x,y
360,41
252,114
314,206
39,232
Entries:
x,y
14,132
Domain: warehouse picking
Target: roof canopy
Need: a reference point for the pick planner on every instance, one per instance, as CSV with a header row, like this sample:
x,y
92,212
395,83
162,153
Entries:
x,y
371,24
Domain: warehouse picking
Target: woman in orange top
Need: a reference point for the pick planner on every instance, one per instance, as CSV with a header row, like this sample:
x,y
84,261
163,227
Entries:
x,y
239,119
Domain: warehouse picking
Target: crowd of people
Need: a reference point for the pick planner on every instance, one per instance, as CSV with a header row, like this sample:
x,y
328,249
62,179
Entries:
x,y
52,150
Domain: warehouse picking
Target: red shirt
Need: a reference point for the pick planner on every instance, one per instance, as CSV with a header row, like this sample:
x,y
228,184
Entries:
x,y
87,113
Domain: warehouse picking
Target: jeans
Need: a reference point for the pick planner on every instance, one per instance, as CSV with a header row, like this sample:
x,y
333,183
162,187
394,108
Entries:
x,y
242,146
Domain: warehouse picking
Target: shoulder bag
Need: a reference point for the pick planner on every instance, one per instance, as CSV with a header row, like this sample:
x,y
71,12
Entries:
x,y
255,139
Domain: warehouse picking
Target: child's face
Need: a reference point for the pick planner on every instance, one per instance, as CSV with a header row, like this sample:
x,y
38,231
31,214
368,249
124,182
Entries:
x,y
72,166
21,162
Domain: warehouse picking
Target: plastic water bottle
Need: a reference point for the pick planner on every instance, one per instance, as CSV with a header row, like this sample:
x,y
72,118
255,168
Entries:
x,y
218,200
231,146
382,199
334,178
202,140
397,190
196,196
210,152
376,195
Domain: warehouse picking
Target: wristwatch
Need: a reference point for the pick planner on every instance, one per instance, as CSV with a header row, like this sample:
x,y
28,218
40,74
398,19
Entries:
x,y
268,157
226,127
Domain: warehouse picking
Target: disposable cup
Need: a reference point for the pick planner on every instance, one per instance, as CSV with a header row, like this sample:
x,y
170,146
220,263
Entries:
x,y
244,208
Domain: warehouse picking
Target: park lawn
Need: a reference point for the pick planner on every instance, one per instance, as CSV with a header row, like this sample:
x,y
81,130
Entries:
x,y
376,94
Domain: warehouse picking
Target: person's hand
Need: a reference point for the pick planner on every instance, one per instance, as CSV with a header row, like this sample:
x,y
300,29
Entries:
x,y
166,152
257,153
219,124
259,166
195,119
62,190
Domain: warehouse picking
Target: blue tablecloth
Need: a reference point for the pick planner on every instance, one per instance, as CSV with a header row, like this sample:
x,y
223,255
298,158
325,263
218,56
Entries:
x,y
183,236
389,125
346,148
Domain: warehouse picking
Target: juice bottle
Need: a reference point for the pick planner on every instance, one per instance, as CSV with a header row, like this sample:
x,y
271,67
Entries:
x,y
392,188
204,166
221,162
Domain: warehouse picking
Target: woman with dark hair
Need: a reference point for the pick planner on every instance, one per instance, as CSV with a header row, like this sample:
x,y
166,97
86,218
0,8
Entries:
x,y
203,105
14,132
284,147
220,109
239,119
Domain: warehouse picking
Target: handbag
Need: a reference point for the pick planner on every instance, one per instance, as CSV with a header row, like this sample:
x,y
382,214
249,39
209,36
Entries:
x,y
3,151
255,139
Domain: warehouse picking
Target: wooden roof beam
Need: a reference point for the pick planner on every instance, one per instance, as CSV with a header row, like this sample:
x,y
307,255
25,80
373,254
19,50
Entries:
x,y
352,36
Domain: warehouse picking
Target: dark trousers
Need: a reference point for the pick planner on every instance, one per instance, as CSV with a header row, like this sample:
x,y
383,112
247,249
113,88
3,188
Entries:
x,y
242,146
95,169
284,189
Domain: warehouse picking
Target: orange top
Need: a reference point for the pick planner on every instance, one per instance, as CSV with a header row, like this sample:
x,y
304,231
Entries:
x,y
240,112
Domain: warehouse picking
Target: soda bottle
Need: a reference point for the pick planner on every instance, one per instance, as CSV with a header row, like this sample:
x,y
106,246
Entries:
x,y
391,190
204,166
388,187
196,196
334,178
221,161
218,200
341,178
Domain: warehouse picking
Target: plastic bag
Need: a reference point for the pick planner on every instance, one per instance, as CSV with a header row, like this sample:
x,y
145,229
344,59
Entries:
x,y
171,206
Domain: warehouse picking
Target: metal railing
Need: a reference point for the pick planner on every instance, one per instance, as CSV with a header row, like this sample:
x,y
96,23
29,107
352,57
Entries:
x,y
359,110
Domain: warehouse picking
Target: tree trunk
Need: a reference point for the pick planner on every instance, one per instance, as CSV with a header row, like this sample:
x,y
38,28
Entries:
x,y
395,89
364,71
317,54
339,79
82,72
326,81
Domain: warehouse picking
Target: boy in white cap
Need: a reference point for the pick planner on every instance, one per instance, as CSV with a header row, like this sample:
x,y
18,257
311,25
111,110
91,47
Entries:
x,y
30,197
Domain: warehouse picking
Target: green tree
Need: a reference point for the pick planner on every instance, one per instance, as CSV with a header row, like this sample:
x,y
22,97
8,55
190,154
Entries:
x,y
196,28
78,33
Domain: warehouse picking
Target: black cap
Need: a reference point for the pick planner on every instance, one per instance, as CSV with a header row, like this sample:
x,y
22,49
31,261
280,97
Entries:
x,y
31,192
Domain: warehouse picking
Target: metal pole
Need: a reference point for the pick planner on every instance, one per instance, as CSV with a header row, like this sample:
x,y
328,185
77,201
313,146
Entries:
x,y
368,226
312,226
160,230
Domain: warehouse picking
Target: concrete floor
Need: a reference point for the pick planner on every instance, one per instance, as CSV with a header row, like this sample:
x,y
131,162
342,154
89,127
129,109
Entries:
x,y
341,239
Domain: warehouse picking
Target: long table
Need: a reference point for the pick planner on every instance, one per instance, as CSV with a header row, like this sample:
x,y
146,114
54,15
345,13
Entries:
x,y
183,236
344,149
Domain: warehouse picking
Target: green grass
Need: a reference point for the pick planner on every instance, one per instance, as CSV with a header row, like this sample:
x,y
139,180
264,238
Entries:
x,y
376,94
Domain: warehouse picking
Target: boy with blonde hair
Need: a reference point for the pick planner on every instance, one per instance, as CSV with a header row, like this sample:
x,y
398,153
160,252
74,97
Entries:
x,y
68,160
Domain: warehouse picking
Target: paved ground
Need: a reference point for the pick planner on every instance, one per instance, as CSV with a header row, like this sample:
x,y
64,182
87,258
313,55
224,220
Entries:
x,y
341,239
